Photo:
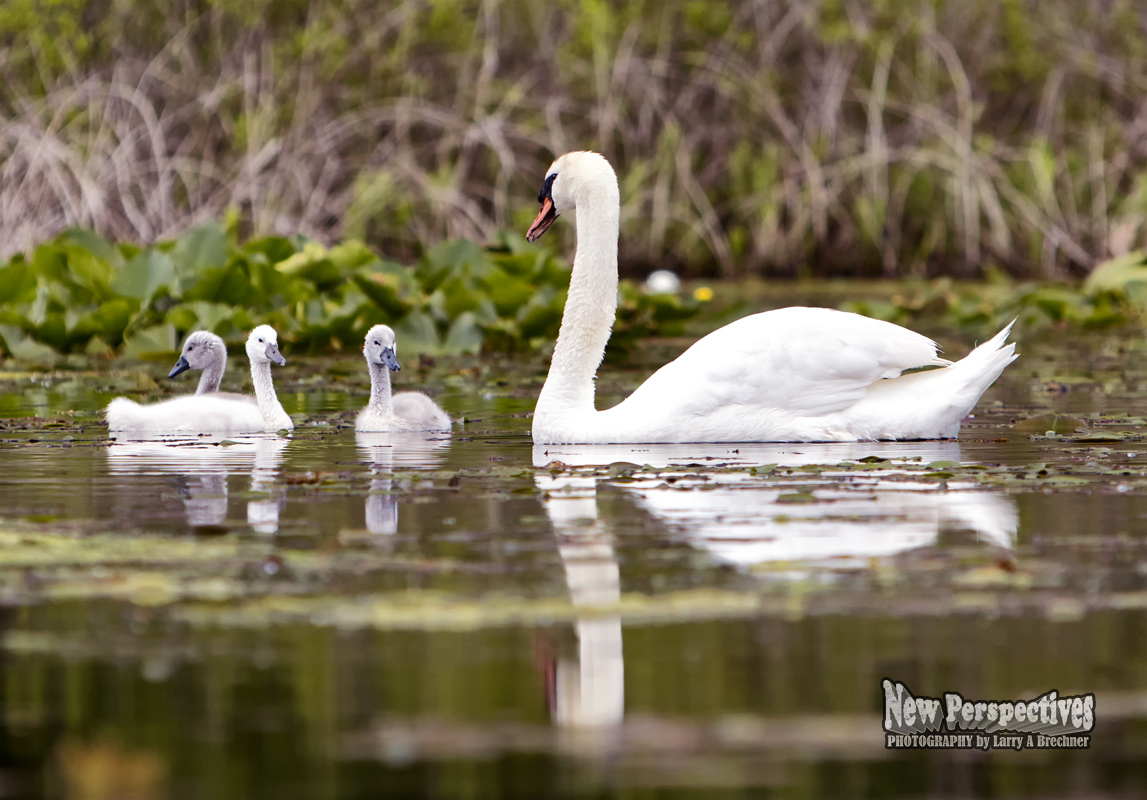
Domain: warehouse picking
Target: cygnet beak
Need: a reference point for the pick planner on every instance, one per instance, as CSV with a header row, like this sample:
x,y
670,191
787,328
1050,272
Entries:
x,y
543,221
180,366
273,354
389,359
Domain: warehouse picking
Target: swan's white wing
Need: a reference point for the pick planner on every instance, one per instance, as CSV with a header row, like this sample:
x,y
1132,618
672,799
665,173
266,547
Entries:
x,y
806,361
419,412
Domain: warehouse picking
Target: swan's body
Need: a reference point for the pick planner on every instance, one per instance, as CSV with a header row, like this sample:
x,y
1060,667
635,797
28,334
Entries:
x,y
405,411
213,412
795,374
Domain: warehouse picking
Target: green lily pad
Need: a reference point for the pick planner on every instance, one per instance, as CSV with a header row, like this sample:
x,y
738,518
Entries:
x,y
1059,424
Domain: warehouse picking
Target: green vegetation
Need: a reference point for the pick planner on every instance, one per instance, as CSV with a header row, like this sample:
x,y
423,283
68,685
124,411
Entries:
x,y
801,137
1115,293
80,294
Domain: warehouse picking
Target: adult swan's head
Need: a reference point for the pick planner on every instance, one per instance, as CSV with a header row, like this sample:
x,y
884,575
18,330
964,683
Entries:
x,y
581,179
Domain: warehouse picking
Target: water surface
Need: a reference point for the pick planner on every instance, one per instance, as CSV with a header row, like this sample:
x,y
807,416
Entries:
x,y
468,615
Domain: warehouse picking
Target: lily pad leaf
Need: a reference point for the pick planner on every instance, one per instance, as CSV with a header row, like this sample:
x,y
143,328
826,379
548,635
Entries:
x,y
1116,274
464,336
1059,424
417,334
151,342
382,290
17,282
23,347
201,247
144,275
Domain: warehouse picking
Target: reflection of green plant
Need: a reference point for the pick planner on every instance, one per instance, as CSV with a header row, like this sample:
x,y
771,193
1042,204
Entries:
x,y
79,293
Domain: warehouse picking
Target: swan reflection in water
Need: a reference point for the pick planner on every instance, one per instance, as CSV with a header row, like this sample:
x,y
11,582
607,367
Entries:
x,y
589,692
738,520
862,514
386,452
203,466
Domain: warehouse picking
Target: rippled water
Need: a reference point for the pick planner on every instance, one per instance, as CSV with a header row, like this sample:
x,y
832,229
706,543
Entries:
x,y
346,616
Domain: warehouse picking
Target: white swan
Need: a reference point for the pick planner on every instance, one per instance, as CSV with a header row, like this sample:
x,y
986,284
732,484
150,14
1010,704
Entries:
x,y
205,351
794,374
405,411
213,413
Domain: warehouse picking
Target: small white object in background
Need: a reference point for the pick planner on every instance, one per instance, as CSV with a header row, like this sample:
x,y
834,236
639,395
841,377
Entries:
x,y
662,281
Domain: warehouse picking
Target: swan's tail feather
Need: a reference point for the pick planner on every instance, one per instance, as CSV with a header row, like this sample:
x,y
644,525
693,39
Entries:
x,y
971,376
982,366
122,414
933,403
127,415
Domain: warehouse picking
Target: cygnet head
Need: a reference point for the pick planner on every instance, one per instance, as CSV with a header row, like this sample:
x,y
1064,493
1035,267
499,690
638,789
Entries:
x,y
263,346
575,178
380,347
200,350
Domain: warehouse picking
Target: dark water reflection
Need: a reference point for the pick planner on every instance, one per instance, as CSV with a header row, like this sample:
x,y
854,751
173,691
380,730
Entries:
x,y
201,469
467,616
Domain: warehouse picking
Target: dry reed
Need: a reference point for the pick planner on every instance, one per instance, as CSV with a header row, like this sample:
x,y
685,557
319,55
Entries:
x,y
804,136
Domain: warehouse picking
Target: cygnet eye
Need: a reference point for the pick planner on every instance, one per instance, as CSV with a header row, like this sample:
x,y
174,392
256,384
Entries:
x,y
376,341
260,341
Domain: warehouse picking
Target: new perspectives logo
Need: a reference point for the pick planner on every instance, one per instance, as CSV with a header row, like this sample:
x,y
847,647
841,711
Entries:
x,y
1046,722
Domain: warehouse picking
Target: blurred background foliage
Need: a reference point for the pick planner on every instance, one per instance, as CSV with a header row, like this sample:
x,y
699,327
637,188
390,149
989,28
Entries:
x,y
755,137
80,294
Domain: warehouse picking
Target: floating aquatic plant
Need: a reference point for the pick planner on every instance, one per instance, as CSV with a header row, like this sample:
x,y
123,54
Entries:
x,y
81,294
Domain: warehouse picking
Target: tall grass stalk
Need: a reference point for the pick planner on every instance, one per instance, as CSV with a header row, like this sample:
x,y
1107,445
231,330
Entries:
x,y
774,137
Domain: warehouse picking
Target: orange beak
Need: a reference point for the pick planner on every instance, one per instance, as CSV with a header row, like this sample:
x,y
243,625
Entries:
x,y
543,221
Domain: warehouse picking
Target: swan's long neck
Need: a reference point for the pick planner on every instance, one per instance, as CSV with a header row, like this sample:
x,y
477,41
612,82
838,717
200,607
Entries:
x,y
212,376
268,401
380,389
591,306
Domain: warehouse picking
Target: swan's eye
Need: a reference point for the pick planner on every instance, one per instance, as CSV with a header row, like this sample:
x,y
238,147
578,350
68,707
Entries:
x,y
547,188
260,341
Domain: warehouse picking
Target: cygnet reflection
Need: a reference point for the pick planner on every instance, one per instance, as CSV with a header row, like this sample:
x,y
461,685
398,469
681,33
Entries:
x,y
386,452
842,521
202,467
588,692
263,515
